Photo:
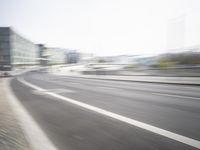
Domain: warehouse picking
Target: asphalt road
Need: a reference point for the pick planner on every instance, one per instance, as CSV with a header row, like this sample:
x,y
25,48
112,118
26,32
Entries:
x,y
174,108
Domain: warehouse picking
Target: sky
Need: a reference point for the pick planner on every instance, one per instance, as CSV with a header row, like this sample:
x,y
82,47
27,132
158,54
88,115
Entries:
x,y
102,27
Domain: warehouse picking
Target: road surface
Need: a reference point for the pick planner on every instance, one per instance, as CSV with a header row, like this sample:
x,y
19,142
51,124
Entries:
x,y
71,126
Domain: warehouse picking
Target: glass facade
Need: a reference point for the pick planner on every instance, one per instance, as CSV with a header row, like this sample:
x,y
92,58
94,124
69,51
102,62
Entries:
x,y
55,55
5,59
15,50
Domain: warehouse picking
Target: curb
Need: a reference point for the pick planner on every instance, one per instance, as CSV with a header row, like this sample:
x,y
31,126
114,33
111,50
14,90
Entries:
x,y
35,136
12,136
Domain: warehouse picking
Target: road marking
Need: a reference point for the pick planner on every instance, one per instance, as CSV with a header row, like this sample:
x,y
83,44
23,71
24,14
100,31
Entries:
x,y
39,92
165,133
178,96
107,88
68,83
34,134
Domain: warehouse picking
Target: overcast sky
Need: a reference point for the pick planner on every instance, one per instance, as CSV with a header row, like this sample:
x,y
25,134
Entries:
x,y
104,27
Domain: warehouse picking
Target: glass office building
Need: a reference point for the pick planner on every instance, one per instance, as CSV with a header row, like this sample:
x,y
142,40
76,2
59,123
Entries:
x,y
55,56
16,51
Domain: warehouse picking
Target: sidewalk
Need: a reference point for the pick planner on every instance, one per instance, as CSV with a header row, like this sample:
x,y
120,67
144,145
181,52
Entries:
x,y
11,134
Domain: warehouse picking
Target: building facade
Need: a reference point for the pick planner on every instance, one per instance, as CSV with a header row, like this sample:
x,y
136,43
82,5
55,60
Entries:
x,y
55,56
5,54
16,51
72,56
42,56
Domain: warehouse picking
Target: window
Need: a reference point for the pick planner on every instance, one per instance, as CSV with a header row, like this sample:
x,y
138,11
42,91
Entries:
x,y
4,45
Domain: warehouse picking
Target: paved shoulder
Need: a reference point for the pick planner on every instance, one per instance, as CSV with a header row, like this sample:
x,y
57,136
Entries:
x,y
11,134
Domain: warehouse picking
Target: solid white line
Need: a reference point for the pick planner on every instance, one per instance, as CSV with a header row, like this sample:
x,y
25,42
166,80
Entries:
x,y
178,96
68,83
34,134
165,133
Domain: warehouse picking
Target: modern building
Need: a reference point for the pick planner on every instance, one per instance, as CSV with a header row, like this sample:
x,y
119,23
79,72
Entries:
x,y
86,57
55,56
43,57
16,51
72,56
